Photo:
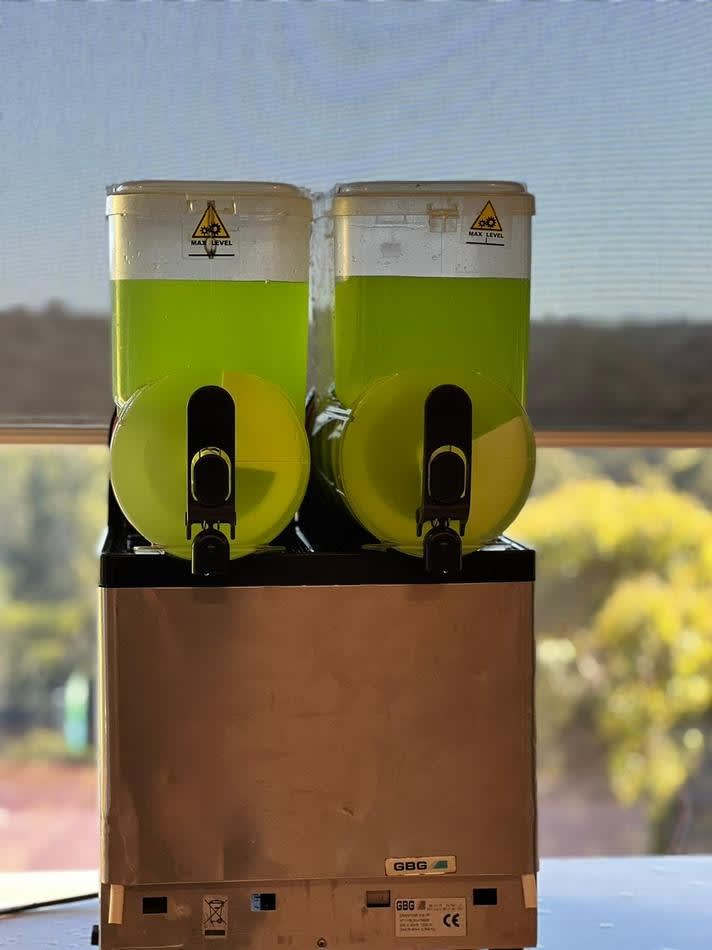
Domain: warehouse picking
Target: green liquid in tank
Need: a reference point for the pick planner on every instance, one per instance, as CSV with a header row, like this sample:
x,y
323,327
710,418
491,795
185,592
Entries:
x,y
163,327
386,324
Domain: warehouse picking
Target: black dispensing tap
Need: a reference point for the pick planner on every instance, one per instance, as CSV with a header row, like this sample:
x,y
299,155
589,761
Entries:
x,y
447,477
211,478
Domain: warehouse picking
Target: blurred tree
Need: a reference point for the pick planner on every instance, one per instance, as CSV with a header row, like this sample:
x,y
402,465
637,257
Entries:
x,y
624,611
624,607
52,509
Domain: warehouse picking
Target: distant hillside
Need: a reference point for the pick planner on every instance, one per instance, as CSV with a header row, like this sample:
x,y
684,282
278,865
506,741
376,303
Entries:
x,y
55,366
634,375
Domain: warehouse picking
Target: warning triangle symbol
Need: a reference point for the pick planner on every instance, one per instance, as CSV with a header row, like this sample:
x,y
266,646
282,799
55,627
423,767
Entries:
x,y
487,220
210,225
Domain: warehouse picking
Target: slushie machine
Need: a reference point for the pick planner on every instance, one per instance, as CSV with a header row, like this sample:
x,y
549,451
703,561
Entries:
x,y
317,652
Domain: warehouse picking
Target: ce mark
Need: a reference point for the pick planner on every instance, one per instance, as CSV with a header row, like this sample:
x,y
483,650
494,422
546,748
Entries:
x,y
451,920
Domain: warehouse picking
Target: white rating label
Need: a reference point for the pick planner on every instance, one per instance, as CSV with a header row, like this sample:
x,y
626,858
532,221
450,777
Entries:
x,y
426,917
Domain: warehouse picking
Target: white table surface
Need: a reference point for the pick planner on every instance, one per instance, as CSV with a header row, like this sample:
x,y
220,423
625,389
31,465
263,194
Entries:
x,y
584,904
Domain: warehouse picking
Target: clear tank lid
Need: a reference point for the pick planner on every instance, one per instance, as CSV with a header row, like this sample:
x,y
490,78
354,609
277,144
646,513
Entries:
x,y
170,196
164,187
431,188
362,196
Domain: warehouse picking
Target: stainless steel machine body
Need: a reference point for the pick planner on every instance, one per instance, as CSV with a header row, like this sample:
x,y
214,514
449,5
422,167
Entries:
x,y
325,752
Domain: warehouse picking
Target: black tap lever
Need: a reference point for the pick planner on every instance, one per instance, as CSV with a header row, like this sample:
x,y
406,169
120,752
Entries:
x,y
211,478
447,477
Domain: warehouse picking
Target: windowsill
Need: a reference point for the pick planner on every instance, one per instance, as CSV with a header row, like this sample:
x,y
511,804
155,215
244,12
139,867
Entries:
x,y
26,887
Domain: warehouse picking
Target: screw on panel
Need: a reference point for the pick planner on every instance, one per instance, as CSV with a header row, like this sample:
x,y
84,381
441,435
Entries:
x,y
321,943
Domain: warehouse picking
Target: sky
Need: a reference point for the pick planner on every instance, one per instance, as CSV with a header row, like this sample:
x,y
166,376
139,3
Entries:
x,y
604,109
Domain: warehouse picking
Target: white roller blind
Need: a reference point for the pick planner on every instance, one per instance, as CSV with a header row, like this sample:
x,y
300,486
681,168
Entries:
x,y
602,109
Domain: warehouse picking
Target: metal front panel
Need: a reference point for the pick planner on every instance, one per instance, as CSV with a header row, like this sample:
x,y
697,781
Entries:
x,y
312,915
281,734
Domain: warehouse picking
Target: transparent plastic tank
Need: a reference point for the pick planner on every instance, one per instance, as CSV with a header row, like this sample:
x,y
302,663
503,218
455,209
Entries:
x,y
209,287
203,272
430,285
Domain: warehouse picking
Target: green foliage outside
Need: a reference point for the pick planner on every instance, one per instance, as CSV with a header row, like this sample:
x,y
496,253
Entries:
x,y
624,614
52,511
624,619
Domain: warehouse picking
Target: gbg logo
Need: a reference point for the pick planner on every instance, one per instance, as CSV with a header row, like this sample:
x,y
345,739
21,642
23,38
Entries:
x,y
410,865
438,864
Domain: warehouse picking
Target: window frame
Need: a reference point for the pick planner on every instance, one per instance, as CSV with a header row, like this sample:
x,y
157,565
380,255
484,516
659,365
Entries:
x,y
38,434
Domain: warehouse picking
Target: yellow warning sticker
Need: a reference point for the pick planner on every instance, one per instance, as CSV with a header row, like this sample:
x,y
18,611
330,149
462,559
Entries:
x,y
486,228
210,238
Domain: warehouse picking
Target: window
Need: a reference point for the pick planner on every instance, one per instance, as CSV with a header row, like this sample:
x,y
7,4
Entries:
x,y
610,130
624,627
624,669
52,510
581,101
